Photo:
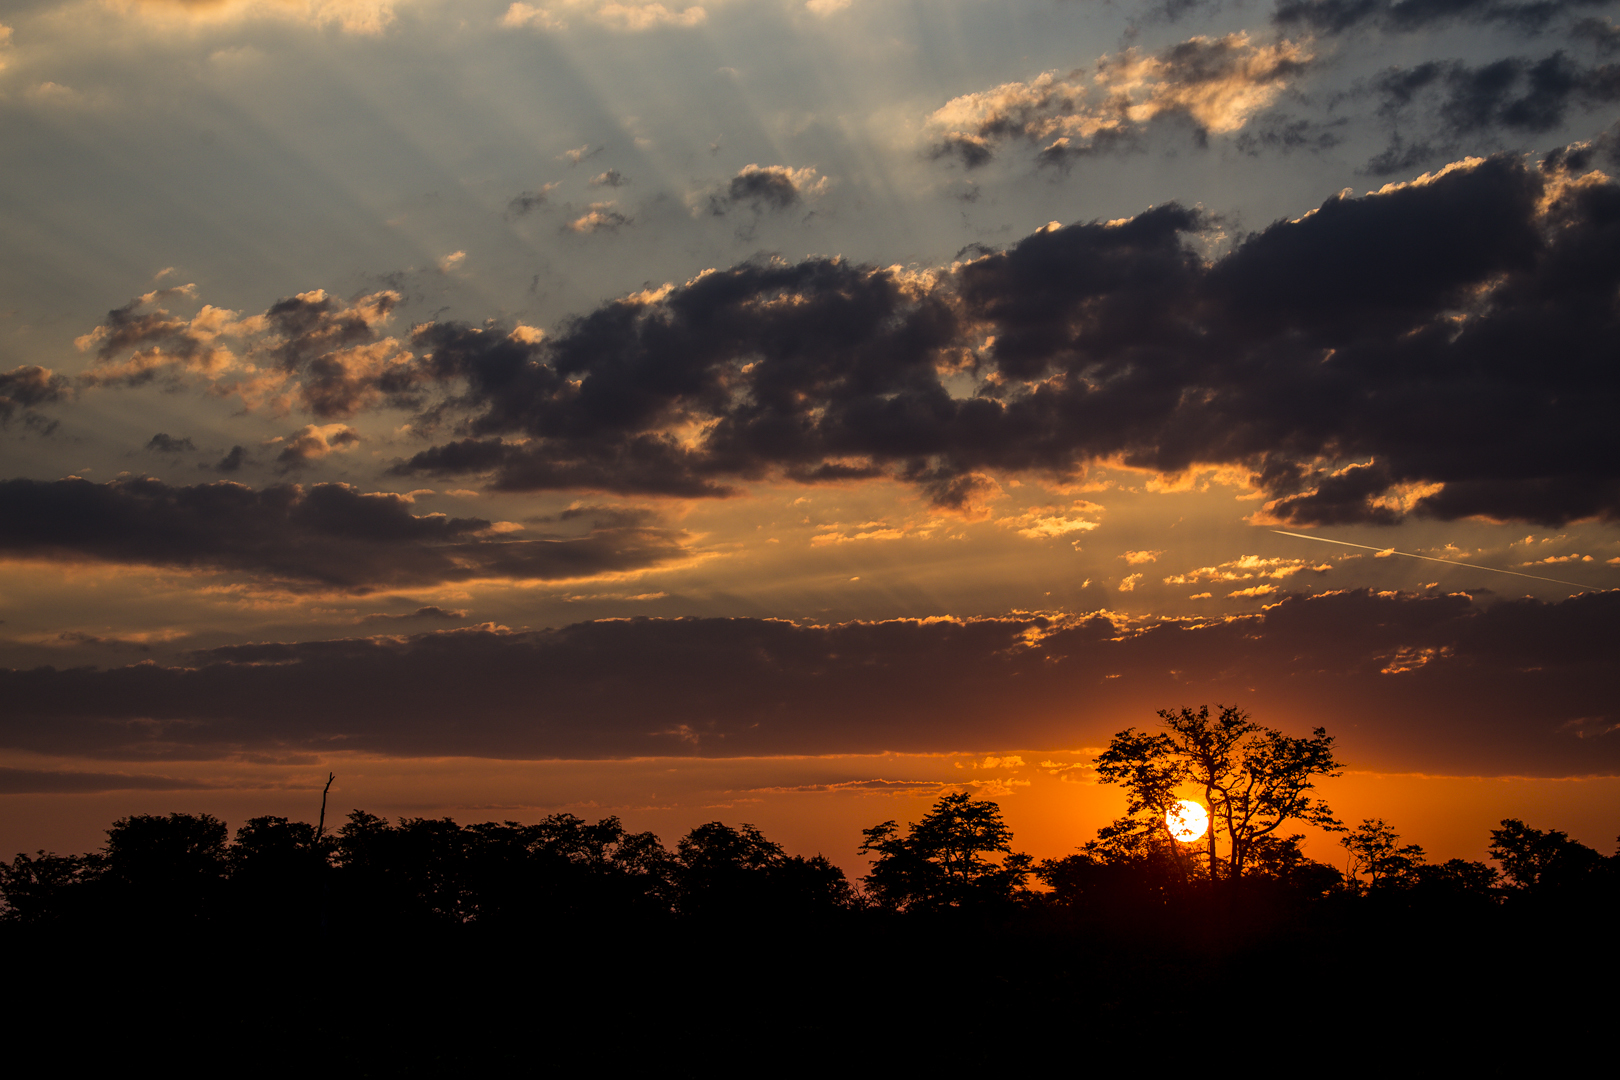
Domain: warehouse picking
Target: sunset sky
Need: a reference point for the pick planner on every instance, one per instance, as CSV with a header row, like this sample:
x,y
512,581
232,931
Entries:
x,y
784,412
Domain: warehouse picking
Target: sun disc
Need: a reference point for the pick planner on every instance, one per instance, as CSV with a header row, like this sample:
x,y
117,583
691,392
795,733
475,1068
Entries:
x,y
1187,821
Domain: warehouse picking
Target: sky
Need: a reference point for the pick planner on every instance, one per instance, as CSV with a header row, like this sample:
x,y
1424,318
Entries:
x,y
788,412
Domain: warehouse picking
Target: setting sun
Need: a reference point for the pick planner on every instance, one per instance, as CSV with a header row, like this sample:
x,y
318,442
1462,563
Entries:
x,y
1187,821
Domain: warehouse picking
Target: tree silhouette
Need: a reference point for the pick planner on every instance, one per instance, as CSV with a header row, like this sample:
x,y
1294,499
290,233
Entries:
x,y
165,870
738,873
1535,860
945,860
1253,780
278,873
1376,851
45,887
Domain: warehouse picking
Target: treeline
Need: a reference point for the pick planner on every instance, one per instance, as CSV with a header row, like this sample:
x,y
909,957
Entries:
x,y
279,877
422,947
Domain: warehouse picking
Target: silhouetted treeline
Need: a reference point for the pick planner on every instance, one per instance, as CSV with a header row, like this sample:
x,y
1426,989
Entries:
x,y
426,948
278,877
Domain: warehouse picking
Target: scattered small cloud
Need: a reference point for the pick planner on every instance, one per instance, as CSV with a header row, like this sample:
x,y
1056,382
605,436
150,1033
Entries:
x,y
313,442
527,201
767,188
600,217
164,443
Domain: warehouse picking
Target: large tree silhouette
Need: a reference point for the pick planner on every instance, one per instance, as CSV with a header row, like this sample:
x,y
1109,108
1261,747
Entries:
x,y
1253,780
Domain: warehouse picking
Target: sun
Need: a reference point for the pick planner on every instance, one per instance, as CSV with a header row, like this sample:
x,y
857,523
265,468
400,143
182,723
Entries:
x,y
1187,821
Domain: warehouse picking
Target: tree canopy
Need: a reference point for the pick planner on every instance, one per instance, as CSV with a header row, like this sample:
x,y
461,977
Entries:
x,y
1252,779
947,858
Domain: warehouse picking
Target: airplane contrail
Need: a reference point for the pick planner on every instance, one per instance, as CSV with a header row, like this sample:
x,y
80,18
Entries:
x,y
1431,558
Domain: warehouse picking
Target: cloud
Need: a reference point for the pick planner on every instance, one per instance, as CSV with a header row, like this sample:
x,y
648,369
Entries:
x,y
1249,568
526,201
1434,106
1346,334
325,537
57,782
430,612
233,460
1405,16
1419,682
600,217
311,443
620,15
167,444
610,178
323,354
23,388
767,188
1363,363
1046,522
1216,84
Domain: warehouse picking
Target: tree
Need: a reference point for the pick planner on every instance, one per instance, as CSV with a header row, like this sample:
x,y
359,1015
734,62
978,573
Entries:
x,y
1533,859
1253,781
737,873
45,887
165,869
946,860
278,873
1375,850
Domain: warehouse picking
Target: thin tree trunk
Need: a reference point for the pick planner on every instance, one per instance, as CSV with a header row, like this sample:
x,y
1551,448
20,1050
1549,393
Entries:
x,y
321,828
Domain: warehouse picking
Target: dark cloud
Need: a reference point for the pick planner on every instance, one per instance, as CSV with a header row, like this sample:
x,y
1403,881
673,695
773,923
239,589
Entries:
x,y
526,201
1440,103
50,782
232,461
1603,35
164,443
1440,347
329,536
1427,682
1281,133
23,388
1403,16
435,613
78,637
763,189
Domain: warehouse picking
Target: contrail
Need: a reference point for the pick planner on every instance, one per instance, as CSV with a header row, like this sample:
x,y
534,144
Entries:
x,y
1431,558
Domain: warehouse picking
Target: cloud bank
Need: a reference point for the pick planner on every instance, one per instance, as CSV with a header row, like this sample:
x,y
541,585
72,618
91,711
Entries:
x,y
1520,687
328,536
